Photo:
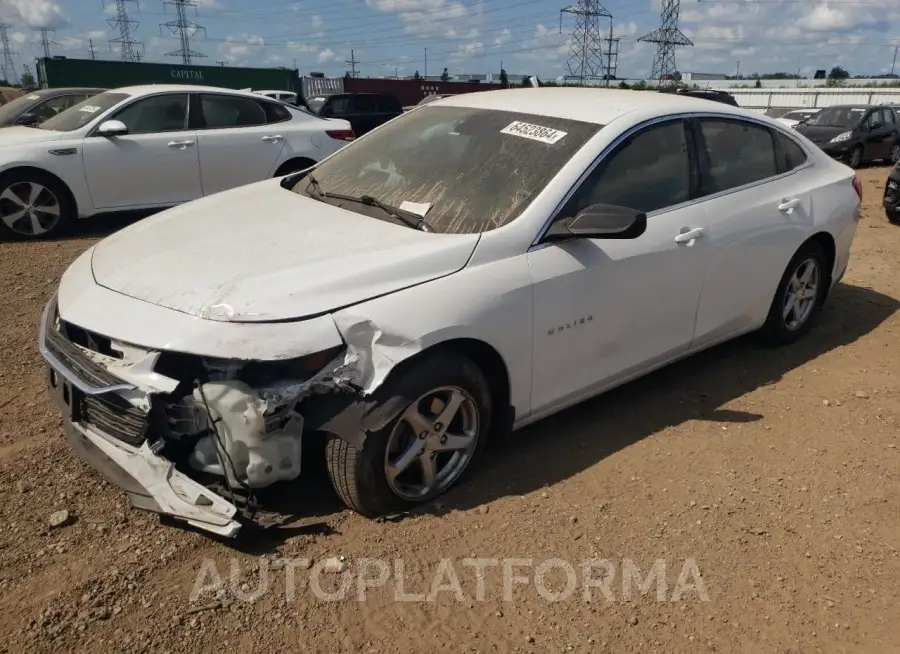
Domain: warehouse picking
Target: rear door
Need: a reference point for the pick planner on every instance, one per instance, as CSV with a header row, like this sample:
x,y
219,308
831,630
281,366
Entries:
x,y
364,112
754,189
237,144
878,134
388,106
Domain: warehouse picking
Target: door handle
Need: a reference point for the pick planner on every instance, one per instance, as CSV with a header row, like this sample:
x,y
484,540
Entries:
x,y
276,137
788,204
688,237
180,144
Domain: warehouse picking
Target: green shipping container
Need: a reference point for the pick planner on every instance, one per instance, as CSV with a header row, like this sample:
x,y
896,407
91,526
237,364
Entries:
x,y
55,73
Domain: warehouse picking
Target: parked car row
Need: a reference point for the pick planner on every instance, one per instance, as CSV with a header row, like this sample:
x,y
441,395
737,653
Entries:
x,y
146,147
576,239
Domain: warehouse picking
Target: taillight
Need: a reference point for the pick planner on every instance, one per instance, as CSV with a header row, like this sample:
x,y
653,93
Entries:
x,y
341,134
857,186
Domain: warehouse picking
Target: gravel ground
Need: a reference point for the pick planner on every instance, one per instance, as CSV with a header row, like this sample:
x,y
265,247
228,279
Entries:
x,y
761,483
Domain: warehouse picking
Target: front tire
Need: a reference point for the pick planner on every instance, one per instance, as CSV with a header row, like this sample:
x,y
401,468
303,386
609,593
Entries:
x,y
34,206
854,159
799,296
423,452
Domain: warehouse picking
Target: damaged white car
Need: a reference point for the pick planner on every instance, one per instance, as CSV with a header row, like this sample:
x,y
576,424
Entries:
x,y
468,268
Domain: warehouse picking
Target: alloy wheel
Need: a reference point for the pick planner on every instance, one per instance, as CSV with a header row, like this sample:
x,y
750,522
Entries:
x,y
432,443
801,294
856,157
895,153
29,208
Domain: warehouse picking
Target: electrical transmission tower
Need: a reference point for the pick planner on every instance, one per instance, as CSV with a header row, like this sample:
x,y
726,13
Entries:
x,y
585,49
667,38
612,56
184,28
45,42
128,47
9,68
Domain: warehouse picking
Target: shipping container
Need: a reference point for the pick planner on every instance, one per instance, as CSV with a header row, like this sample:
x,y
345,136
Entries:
x,y
59,72
410,91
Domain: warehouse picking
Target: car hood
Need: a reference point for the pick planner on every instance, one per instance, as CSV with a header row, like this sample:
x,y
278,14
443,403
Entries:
x,y
262,253
19,135
821,134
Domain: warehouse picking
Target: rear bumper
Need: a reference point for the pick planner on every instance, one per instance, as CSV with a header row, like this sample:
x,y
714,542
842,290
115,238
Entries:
x,y
150,481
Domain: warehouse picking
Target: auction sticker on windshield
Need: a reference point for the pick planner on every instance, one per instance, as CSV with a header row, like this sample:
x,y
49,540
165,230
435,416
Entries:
x,y
533,132
89,109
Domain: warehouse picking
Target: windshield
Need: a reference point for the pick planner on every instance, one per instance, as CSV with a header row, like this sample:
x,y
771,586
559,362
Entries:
x,y
316,103
838,117
15,108
473,169
79,115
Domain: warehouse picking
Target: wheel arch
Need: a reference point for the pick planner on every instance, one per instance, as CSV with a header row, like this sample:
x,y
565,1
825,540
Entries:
x,y
41,172
294,164
827,243
491,364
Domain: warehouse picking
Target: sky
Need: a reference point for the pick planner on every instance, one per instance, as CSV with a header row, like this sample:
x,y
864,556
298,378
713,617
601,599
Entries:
x,y
389,37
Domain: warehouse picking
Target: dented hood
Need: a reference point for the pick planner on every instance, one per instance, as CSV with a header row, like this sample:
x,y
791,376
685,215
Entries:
x,y
261,253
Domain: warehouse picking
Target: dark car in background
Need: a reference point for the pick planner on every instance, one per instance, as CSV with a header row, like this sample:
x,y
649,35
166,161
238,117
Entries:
x,y
35,107
855,133
892,195
364,111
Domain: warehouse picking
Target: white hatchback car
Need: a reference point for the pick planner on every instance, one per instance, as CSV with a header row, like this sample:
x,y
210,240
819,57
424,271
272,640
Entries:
x,y
149,147
473,266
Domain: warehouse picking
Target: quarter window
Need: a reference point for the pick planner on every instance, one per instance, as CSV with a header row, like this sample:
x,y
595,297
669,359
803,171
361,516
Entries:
x,y
160,113
275,113
224,111
648,172
737,153
364,104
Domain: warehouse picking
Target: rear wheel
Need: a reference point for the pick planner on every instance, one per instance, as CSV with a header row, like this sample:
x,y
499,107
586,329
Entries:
x,y
426,449
854,159
293,166
798,297
33,206
895,153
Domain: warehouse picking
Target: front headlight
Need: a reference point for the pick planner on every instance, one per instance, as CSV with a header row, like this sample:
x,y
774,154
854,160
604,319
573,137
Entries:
x,y
840,138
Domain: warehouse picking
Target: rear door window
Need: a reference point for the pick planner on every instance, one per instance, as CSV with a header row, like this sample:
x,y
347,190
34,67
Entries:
x,y
737,153
363,104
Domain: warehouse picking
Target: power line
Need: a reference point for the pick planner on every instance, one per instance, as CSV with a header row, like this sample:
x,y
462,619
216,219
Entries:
x,y
184,29
128,47
45,42
667,38
91,49
9,67
585,52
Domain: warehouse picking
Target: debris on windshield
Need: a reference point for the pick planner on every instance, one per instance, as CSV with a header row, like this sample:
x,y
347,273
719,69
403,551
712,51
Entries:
x,y
418,208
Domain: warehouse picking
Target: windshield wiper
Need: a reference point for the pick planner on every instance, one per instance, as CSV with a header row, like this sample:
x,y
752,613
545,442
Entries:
x,y
406,217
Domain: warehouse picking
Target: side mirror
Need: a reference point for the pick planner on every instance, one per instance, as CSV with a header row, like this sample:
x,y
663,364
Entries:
x,y
27,119
112,128
604,221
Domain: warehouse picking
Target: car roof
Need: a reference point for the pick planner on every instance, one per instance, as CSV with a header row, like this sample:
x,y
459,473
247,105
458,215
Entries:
x,y
67,89
590,105
149,89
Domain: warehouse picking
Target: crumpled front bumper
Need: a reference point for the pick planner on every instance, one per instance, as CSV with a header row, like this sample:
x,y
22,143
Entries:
x,y
150,481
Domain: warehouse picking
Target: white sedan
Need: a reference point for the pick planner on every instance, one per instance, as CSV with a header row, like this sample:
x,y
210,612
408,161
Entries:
x,y
151,147
471,267
794,118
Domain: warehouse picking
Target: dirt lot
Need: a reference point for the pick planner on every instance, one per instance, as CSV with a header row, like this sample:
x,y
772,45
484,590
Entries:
x,y
774,472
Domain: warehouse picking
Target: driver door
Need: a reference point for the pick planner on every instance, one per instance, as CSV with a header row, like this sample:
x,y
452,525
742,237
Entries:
x,y
155,164
608,309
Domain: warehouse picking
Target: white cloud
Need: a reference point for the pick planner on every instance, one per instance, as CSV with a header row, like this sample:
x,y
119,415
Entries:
x,y
325,56
34,13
